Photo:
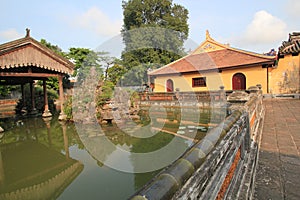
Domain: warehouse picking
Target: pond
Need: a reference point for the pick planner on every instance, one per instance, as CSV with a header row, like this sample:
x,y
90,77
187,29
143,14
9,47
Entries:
x,y
49,159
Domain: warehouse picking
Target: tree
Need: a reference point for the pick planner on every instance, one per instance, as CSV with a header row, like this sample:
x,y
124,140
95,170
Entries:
x,y
54,48
154,32
107,62
84,60
115,73
52,82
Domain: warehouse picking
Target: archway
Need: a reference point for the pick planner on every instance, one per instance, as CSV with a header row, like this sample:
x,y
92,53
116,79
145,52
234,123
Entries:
x,y
170,85
238,81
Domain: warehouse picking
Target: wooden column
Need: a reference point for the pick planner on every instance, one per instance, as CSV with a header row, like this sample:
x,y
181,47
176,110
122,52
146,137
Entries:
x,y
46,113
62,115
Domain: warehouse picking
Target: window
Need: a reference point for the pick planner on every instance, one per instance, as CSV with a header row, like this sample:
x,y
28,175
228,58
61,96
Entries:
x,y
199,82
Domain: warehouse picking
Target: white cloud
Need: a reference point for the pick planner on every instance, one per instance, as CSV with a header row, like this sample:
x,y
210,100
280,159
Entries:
x,y
293,8
263,33
97,21
10,34
265,28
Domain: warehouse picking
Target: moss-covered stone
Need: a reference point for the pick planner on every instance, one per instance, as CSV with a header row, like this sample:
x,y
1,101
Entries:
x,y
205,146
215,134
138,197
164,187
181,170
195,156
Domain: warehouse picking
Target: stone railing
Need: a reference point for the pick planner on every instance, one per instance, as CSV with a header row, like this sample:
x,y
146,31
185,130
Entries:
x,y
179,99
221,165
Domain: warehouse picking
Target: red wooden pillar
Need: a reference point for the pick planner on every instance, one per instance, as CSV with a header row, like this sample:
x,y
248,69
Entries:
x,y
46,113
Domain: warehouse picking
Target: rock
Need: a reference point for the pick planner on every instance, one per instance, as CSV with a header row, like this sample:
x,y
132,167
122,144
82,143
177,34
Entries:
x,y
238,96
1,130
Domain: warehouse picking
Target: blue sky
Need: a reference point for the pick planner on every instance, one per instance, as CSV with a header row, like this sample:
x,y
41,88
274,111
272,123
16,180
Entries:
x,y
256,25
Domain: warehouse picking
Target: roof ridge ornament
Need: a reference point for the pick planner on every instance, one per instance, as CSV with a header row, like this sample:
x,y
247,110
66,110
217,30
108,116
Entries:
x,y
208,35
27,32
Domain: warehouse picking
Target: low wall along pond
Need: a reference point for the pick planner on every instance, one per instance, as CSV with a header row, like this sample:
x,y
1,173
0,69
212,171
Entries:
x,y
221,164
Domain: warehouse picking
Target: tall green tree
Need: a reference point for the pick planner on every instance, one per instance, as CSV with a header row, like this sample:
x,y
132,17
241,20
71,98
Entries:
x,y
84,60
154,32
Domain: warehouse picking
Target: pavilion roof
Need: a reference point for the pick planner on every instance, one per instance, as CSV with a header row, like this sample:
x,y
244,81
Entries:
x,y
27,52
211,55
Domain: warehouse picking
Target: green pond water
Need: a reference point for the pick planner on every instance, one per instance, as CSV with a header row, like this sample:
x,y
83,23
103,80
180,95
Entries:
x,y
54,160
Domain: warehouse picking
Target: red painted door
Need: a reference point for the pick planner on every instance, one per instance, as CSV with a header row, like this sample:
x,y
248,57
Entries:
x,y
239,82
169,86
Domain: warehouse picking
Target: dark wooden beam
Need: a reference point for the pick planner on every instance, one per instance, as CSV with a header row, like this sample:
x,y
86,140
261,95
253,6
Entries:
x,y
33,75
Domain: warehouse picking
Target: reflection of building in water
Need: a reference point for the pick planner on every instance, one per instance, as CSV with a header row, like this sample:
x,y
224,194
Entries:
x,y
31,170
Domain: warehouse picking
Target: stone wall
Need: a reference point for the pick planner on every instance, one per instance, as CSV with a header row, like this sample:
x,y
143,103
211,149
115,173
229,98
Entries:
x,y
8,107
222,164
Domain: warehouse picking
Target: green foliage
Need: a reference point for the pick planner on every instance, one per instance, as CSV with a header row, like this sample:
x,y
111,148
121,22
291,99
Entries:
x,y
115,74
137,76
84,60
68,107
51,83
6,90
154,32
106,93
54,48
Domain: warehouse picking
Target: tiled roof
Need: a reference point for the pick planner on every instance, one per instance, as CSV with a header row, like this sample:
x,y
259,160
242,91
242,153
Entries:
x,y
29,52
292,45
218,60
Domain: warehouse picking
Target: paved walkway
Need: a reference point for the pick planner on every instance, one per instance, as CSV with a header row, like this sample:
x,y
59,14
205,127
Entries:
x,y
278,171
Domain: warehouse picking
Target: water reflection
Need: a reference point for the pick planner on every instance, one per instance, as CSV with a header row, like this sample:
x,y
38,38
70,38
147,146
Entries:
x,y
47,159
32,162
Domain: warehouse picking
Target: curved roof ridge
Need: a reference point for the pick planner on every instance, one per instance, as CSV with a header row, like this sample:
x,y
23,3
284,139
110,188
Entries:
x,y
226,46
250,52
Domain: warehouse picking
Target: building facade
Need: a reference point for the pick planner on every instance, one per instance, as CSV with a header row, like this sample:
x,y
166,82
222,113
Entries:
x,y
284,77
212,65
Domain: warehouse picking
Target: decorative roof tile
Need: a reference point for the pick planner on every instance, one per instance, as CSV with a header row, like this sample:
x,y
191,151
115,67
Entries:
x,y
29,52
223,57
292,45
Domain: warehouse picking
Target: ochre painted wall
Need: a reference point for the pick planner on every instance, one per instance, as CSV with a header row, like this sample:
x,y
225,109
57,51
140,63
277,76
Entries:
x,y
254,75
285,77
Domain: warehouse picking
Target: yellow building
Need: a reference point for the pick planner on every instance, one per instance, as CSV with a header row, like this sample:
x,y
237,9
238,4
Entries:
x,y
212,65
284,78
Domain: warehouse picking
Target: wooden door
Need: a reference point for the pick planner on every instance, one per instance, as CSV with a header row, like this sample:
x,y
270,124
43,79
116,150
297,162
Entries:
x,y
239,82
170,86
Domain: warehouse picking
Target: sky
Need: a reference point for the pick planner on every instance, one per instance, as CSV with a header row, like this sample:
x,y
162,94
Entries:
x,y
256,25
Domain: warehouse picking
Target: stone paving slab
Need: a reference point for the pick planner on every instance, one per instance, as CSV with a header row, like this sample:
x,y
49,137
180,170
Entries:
x,y
278,168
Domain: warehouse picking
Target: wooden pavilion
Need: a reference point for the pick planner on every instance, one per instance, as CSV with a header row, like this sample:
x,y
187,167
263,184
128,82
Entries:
x,y
25,60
